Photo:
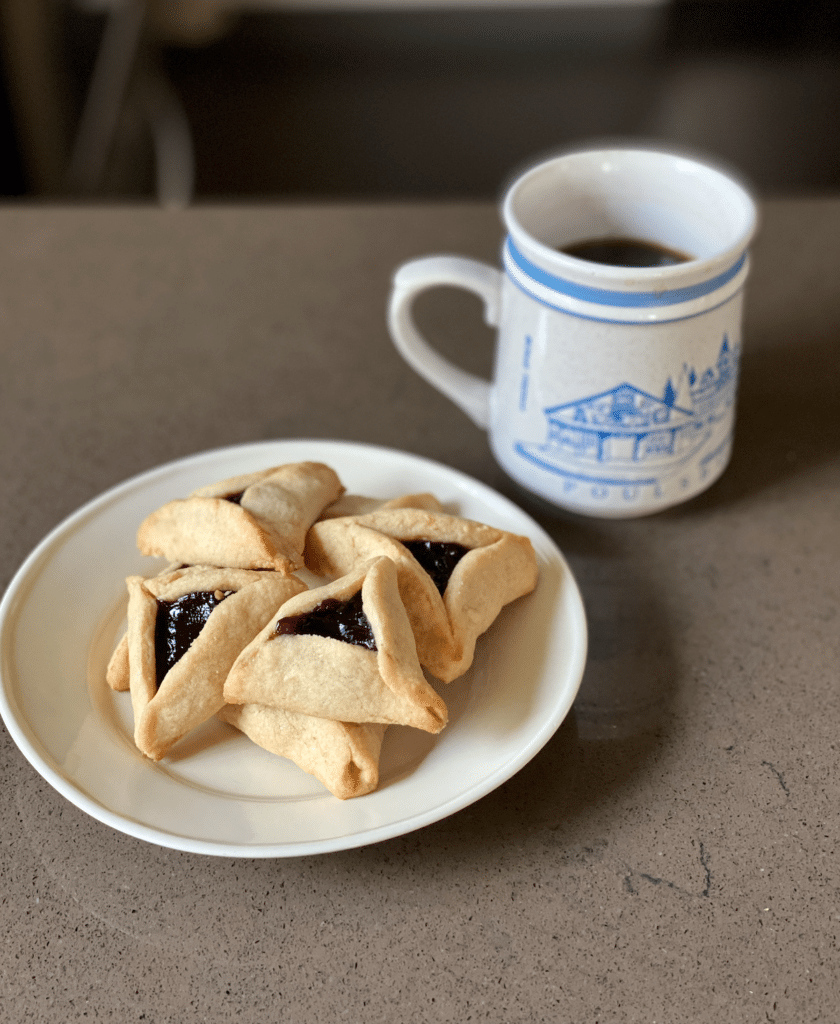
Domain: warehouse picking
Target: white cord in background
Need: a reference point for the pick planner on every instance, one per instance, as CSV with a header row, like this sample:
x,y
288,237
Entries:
x,y
118,54
105,97
171,140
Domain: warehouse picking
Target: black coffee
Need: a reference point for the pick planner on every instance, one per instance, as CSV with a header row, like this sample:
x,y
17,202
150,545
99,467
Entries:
x,y
625,252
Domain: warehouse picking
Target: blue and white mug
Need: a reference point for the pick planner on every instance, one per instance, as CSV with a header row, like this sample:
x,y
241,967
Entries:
x,y
614,387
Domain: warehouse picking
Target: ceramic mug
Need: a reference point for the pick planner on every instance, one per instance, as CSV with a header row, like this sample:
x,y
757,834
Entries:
x,y
614,386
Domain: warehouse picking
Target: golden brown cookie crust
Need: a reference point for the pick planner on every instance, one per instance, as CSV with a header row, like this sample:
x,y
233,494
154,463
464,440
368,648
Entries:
x,y
192,690
265,528
117,674
343,756
329,678
357,504
499,567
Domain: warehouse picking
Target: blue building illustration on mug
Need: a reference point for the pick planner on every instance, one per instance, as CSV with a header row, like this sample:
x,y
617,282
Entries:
x,y
627,436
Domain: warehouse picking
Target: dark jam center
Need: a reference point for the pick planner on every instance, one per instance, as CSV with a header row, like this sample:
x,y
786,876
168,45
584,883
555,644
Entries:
x,y
437,557
338,620
178,623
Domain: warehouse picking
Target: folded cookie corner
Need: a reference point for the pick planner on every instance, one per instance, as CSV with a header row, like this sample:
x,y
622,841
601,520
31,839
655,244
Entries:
x,y
343,651
343,756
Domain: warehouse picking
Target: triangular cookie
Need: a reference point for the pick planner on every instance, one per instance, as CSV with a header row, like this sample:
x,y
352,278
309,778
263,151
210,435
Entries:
x,y
117,673
344,756
344,651
185,630
455,575
255,521
357,504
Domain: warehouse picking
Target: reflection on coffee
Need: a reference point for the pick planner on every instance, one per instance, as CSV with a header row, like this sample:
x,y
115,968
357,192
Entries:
x,y
625,252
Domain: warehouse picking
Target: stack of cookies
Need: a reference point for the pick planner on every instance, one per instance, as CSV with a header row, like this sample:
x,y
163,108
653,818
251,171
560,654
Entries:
x,y
314,674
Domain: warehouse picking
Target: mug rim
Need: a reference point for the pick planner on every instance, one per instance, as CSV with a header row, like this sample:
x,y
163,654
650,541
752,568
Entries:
x,y
632,278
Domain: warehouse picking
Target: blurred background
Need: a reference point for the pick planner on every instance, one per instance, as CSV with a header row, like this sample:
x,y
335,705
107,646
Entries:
x,y
179,101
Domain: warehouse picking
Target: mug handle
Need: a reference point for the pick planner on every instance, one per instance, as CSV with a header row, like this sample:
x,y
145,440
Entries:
x,y
466,390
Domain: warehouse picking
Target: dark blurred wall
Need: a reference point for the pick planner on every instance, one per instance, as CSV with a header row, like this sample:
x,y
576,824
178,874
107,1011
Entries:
x,y
446,103
12,177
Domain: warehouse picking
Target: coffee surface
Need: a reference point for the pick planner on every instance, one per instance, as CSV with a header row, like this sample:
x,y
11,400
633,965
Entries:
x,y
625,252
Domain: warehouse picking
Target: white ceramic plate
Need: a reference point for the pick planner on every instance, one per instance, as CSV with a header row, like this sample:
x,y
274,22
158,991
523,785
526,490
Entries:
x,y
216,792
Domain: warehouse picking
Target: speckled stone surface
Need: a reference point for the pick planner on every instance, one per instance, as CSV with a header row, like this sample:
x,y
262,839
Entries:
x,y
671,856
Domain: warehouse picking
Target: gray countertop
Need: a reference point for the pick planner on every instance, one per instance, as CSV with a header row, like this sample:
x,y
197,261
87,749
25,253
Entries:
x,y
671,855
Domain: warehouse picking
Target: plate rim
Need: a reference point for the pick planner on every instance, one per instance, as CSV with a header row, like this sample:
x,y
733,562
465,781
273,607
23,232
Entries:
x,y
14,600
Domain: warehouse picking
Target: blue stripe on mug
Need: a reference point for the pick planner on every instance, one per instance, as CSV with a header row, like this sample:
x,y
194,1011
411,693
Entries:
x,y
608,297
